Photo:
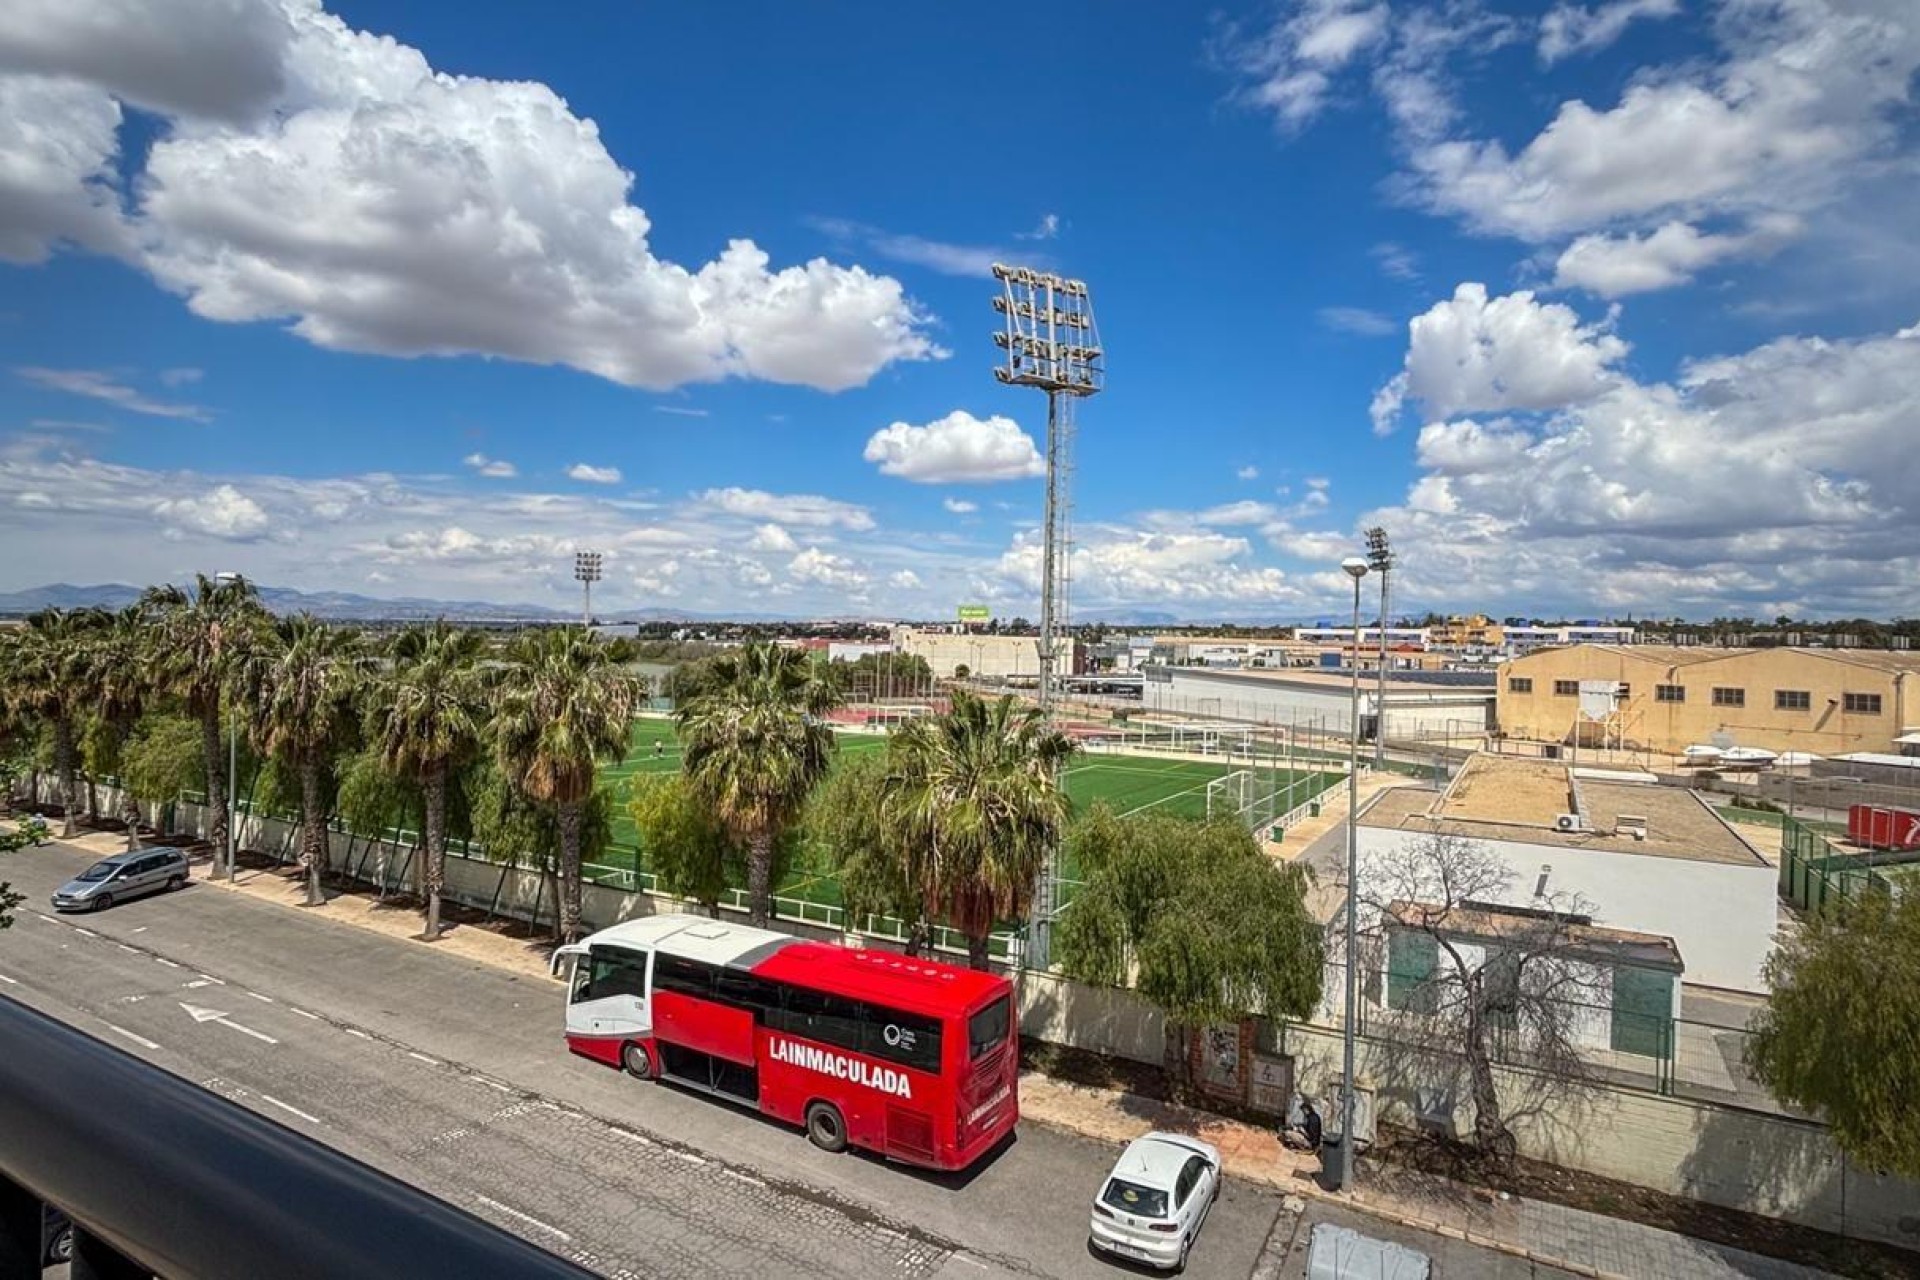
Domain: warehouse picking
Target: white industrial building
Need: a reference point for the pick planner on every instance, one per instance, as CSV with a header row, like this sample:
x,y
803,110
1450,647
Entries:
x,y
1649,859
983,655
1419,705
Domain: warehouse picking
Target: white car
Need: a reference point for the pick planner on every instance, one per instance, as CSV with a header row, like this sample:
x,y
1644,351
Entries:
x,y
1153,1203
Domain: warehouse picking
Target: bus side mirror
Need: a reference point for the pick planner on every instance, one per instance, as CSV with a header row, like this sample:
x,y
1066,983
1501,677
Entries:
x,y
560,954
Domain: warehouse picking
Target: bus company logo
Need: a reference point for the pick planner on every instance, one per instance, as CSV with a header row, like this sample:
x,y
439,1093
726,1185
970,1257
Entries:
x,y
841,1067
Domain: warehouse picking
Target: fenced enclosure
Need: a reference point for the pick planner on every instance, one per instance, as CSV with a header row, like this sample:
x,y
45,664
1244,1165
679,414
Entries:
x,y
1814,871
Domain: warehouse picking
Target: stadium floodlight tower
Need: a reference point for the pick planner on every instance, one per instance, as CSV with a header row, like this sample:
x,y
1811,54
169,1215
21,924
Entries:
x,y
586,570
1380,560
1050,343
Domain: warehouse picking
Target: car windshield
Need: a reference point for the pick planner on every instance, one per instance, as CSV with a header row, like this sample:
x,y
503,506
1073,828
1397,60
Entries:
x,y
98,871
1131,1197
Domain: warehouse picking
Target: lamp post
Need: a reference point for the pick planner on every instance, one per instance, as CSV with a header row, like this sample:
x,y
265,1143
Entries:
x,y
1355,568
1380,560
586,570
233,770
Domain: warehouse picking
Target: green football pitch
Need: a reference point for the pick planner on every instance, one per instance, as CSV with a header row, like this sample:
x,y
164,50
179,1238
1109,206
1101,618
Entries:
x,y
1128,785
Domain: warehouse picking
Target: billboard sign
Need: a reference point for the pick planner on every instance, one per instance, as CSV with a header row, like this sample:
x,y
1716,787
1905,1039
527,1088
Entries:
x,y
976,613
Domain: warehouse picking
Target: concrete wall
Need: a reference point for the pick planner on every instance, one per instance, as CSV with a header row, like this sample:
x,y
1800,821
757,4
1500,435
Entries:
x,y
990,656
1412,712
1722,916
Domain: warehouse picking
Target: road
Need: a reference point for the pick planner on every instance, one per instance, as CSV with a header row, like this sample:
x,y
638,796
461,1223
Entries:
x,y
453,1076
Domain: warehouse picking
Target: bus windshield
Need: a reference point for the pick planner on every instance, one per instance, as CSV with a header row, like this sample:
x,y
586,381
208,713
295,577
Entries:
x,y
987,1029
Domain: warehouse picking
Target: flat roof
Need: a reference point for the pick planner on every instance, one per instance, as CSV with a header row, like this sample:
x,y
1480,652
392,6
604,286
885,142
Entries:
x,y
1397,681
1518,798
1584,941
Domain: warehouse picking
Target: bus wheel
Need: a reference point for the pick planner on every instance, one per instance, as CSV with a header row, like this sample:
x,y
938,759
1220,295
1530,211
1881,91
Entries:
x,y
638,1062
825,1127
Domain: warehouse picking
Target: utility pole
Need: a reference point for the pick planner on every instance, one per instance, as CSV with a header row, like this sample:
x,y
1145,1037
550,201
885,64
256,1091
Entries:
x,y
1356,568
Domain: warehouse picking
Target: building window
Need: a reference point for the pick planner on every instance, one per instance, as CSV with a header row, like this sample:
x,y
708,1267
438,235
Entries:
x,y
1792,700
1861,704
1519,684
1669,693
1412,957
1566,688
1626,690
1723,697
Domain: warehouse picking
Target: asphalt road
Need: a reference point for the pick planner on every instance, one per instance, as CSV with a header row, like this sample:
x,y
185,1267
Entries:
x,y
454,1076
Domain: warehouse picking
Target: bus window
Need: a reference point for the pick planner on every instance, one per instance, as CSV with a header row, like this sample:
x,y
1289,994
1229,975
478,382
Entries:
x,y
683,977
987,1029
815,1015
613,972
905,1038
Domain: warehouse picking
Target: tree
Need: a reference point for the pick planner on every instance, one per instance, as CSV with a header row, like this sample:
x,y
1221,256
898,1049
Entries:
x,y
45,670
302,685
846,827
1194,917
565,702
24,835
161,759
754,748
685,845
119,685
201,636
1841,1035
427,712
976,793
514,829
1473,984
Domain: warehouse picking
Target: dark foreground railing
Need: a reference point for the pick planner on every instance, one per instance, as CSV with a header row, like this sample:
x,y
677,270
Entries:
x,y
162,1177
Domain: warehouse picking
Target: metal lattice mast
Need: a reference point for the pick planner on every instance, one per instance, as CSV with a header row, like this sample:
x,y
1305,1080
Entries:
x,y
1050,343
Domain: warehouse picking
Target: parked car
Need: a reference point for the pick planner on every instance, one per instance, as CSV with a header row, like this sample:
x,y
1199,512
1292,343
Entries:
x,y
56,1237
123,876
1155,1201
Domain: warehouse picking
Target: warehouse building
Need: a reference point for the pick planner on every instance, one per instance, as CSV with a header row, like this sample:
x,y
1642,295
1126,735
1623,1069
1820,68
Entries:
x,y
1663,699
1420,705
983,656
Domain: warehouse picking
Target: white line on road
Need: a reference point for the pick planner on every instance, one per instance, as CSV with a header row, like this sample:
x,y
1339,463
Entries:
x,y
494,1084
303,1013
49,919
310,1119
355,1031
124,947
88,932
163,960
432,1062
246,1031
630,1136
141,929
200,1013
747,1178
257,996
207,977
688,1156
200,983
139,1040
529,1219
12,982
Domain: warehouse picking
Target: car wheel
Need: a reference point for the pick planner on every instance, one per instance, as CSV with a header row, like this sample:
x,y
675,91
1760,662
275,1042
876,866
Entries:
x,y
175,882
102,902
60,1248
638,1062
826,1128
1186,1246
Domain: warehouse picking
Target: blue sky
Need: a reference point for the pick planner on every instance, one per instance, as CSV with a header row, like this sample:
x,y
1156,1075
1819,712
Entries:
x,y
1598,308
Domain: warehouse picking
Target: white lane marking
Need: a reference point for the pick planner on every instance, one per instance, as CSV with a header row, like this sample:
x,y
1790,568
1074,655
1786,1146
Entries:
x,y
642,1139
163,960
747,1178
49,919
207,977
493,1084
201,983
200,1013
139,1040
355,1031
124,947
432,1062
303,1013
141,929
257,996
688,1156
88,932
12,982
527,1218
310,1119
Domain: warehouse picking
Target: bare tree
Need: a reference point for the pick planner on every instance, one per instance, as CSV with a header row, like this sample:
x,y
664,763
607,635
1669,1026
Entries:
x,y
1469,981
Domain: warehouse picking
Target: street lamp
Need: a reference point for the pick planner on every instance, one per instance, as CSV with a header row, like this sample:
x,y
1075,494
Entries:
x,y
1355,568
1380,560
233,771
586,570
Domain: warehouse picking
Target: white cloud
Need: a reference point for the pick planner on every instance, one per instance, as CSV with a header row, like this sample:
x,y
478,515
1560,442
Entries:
x,y
805,509
493,468
1248,472
412,212
956,449
1614,266
771,537
905,580
1357,320
1569,29
1118,565
938,255
1472,353
1396,261
960,506
221,512
1292,67
181,377
680,411
827,570
98,385
1048,228
588,474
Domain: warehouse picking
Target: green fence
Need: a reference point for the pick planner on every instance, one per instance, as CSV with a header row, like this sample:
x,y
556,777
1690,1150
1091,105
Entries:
x,y
1814,871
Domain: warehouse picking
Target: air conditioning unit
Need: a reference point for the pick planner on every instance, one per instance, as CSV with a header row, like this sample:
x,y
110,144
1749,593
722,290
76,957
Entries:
x,y
1568,822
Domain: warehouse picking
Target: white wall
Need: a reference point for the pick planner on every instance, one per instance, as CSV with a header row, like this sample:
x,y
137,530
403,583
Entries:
x,y
1722,916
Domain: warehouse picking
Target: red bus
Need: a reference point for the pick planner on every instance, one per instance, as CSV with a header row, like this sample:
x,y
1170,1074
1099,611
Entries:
x,y
914,1059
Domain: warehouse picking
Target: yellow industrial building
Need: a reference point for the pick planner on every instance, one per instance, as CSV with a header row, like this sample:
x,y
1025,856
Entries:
x,y
1664,698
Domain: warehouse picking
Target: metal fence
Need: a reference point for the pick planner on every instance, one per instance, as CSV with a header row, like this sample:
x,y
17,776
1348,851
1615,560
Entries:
x,y
1814,871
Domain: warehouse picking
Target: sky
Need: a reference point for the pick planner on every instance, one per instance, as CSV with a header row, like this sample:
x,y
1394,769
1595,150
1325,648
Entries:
x,y
1599,309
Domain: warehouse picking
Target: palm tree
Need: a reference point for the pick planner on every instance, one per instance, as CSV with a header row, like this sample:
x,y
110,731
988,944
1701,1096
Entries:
x,y
975,793
754,749
119,684
46,681
200,640
301,685
426,714
565,702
